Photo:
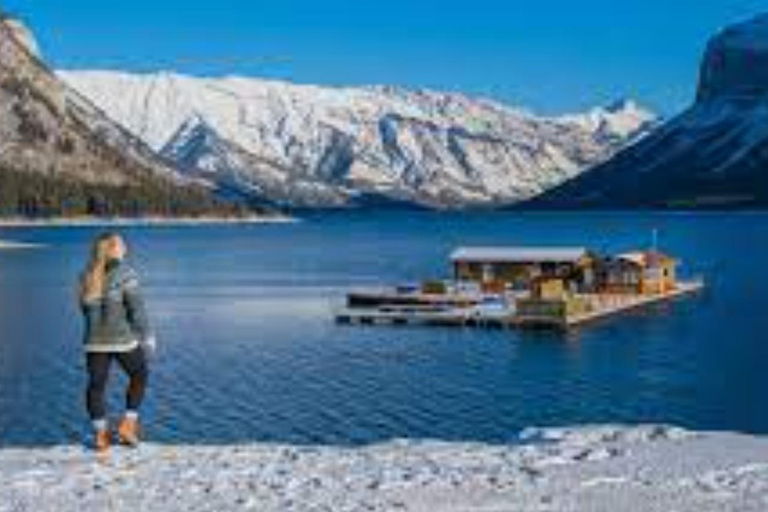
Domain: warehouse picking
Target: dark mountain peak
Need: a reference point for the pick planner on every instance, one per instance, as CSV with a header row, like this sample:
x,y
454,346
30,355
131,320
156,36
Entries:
x,y
736,61
713,155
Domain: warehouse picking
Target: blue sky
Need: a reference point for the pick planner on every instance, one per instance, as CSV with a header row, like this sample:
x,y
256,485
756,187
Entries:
x,y
547,55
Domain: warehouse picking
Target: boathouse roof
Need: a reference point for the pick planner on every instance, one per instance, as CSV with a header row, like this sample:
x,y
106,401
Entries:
x,y
646,258
519,254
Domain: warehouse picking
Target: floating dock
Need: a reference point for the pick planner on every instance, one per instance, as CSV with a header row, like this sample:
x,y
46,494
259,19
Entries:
x,y
591,307
607,305
457,317
522,287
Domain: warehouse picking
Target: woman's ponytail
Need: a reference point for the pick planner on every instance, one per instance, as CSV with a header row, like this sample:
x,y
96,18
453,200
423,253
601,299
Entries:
x,y
92,282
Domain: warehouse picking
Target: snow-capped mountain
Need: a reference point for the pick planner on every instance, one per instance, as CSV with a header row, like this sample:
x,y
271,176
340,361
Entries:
x,y
306,145
715,154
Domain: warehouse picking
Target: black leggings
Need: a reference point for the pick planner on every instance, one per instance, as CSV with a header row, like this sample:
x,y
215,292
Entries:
x,y
133,363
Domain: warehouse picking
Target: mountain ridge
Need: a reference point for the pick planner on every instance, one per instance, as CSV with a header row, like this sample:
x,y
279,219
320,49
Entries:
x,y
309,145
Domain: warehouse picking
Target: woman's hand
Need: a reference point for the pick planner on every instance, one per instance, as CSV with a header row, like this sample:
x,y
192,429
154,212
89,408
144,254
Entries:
x,y
149,345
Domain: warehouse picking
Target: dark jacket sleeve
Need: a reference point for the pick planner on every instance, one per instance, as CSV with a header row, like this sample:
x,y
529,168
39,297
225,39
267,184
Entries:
x,y
134,305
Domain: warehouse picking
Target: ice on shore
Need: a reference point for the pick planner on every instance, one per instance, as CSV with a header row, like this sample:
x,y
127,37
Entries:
x,y
603,468
9,244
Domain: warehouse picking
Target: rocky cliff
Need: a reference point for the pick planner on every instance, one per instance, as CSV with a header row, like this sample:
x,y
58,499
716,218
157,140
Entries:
x,y
52,139
713,155
736,61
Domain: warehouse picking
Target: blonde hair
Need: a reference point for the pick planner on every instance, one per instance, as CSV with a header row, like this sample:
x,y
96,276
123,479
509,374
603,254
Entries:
x,y
92,282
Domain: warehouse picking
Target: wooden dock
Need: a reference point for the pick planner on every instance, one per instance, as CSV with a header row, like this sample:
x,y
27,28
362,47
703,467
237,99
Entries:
x,y
599,306
628,303
457,317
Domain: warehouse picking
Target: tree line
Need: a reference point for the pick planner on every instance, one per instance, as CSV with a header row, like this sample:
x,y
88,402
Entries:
x,y
39,195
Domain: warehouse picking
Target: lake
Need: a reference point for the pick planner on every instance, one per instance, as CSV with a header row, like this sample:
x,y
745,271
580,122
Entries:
x,y
249,350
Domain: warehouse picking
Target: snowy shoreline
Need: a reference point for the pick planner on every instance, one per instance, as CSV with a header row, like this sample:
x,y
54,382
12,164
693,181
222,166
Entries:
x,y
596,468
143,221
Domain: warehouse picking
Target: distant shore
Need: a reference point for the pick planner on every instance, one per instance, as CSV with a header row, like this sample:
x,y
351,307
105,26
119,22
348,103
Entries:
x,y
142,221
10,244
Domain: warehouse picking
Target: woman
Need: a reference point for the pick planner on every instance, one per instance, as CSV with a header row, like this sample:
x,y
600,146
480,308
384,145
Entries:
x,y
116,327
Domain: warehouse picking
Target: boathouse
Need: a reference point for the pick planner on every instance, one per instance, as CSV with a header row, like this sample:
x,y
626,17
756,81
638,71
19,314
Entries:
x,y
638,272
525,267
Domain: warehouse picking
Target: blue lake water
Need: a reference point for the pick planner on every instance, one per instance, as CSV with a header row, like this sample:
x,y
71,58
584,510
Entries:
x,y
249,350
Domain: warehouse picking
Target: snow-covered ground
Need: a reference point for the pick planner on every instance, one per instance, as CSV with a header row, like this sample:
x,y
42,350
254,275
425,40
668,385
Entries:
x,y
600,468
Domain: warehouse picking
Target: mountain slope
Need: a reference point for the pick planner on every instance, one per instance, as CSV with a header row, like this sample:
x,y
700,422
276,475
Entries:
x,y
53,140
715,154
306,145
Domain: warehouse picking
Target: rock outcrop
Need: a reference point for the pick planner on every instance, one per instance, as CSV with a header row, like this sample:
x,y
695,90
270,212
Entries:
x,y
52,135
736,61
713,155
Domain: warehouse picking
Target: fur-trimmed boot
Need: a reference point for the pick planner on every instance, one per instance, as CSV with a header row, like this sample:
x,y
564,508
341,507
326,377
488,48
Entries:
x,y
128,429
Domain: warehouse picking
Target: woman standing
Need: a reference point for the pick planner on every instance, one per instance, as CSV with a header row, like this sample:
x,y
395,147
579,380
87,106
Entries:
x,y
116,327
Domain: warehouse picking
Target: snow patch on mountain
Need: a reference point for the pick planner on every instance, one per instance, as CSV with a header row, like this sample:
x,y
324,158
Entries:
x,y
621,120
23,35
